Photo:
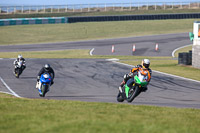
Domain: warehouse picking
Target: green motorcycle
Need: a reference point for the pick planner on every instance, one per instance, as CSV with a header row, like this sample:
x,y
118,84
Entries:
x,y
130,93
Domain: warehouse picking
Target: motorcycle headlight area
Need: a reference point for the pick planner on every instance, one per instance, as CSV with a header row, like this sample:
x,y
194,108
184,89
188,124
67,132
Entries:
x,y
46,76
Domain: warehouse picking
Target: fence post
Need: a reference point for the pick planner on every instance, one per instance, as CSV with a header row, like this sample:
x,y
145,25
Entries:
x,y
155,6
7,10
81,9
44,9
122,6
58,9
66,8
73,8
37,9
98,9
198,4
51,9
14,10
138,6
88,7
113,7
105,7
29,10
189,5
172,5
147,6
130,6
164,6
181,5
22,11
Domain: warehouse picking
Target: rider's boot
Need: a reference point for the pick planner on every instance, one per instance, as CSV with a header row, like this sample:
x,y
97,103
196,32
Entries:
x,y
121,85
37,85
14,72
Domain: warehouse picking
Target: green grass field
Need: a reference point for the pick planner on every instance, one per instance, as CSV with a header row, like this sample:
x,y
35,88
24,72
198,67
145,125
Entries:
x,y
19,115
28,34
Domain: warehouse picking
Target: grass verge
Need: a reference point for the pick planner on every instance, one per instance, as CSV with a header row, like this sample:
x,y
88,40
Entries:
x,y
28,34
28,115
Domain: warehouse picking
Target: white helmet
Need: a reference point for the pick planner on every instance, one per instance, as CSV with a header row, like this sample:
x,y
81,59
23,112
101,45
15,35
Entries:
x,y
20,56
146,63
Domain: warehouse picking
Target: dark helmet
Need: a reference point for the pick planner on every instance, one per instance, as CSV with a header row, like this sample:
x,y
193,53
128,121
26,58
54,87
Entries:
x,y
47,67
145,63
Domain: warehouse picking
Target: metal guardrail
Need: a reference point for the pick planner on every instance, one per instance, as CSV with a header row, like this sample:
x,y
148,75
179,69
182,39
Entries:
x,y
53,20
133,17
27,21
98,7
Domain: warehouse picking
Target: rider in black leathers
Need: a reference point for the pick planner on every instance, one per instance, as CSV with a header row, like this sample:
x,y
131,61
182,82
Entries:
x,y
46,69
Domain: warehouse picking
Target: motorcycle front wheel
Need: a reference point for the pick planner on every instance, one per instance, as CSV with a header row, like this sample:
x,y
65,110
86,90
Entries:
x,y
17,73
44,90
135,91
120,97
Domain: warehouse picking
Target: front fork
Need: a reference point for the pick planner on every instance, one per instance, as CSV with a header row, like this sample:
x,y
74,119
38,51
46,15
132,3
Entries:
x,y
127,89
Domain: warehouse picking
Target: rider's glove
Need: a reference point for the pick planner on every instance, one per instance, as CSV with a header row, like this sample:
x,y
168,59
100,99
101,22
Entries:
x,y
139,66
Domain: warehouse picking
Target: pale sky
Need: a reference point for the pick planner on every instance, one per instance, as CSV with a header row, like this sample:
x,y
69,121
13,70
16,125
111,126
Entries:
x,y
66,2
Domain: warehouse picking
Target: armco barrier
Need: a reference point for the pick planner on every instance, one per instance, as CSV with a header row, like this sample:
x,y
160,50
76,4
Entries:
x,y
133,17
25,21
53,20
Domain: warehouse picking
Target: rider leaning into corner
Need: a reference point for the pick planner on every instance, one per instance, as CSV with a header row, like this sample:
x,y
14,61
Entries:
x,y
46,69
129,78
19,58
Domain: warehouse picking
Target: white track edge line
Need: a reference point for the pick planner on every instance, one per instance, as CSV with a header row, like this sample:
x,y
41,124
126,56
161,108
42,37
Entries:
x,y
178,49
91,52
161,72
15,94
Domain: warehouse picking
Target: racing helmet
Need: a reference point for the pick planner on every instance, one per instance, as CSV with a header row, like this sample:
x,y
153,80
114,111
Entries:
x,y
20,57
47,67
145,63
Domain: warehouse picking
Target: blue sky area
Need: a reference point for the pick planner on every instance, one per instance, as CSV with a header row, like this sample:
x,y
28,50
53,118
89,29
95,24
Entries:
x,y
66,2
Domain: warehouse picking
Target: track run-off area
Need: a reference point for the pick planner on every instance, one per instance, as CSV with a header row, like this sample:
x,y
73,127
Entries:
x,y
97,80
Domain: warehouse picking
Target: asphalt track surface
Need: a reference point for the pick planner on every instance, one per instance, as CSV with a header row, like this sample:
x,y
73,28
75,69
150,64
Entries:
x,y
97,80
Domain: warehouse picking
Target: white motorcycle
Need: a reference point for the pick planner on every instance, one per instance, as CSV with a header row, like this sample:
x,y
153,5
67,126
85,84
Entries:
x,y
19,67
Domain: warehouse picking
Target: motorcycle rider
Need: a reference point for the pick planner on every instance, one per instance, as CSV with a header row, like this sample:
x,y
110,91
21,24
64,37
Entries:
x,y
46,69
19,58
129,78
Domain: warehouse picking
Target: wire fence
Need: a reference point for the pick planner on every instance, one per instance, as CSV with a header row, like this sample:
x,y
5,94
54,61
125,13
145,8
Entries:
x,y
98,7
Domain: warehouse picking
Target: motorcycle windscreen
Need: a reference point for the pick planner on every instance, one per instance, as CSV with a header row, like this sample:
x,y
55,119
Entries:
x,y
141,79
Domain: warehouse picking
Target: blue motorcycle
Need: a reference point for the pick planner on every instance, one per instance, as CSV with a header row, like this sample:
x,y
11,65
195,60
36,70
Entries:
x,y
44,84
